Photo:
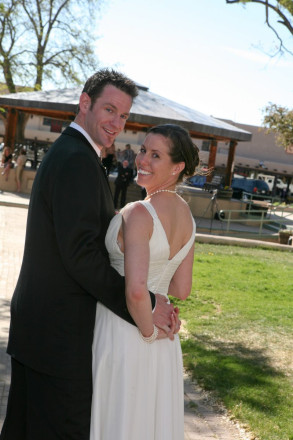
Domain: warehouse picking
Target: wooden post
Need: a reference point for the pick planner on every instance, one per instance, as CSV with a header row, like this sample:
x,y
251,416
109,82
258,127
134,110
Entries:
x,y
230,163
212,158
10,128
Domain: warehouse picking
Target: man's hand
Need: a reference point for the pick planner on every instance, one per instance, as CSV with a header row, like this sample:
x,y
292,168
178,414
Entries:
x,y
166,318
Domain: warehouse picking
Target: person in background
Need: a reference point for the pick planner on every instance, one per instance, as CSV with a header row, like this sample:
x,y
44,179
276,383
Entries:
x,y
7,162
121,183
129,155
108,158
20,163
119,156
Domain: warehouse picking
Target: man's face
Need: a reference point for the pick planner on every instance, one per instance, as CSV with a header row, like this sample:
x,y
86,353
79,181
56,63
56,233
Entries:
x,y
107,117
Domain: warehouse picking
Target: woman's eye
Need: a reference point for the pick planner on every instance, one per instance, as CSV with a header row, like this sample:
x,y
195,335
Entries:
x,y
142,150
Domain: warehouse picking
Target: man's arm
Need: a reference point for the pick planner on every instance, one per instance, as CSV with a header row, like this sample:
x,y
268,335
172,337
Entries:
x,y
81,208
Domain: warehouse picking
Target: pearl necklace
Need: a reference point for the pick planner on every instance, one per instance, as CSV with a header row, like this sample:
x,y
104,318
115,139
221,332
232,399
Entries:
x,y
162,190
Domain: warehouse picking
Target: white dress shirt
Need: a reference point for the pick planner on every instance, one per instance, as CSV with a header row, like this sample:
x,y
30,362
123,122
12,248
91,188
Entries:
x,y
82,130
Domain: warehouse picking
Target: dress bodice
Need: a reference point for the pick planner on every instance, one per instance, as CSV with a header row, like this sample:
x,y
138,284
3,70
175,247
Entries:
x,y
161,267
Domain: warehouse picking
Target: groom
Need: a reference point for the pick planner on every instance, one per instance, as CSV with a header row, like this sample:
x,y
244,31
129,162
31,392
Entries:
x,y
65,271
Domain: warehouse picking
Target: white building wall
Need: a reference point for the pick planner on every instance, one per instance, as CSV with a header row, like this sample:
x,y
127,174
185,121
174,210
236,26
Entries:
x,y
262,151
36,129
263,148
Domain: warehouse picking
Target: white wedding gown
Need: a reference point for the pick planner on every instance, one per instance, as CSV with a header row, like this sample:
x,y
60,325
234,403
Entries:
x,y
137,387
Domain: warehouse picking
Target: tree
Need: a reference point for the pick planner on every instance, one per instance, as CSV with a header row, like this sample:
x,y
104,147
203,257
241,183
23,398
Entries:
x,y
43,40
7,33
279,120
278,12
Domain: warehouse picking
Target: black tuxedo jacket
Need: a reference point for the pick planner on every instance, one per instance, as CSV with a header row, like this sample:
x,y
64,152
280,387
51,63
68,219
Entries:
x,y
65,267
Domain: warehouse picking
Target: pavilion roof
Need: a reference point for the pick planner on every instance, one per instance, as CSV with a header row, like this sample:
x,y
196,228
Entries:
x,y
148,108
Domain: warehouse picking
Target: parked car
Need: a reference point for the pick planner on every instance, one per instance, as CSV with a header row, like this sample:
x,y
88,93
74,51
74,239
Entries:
x,y
254,187
270,180
196,181
281,186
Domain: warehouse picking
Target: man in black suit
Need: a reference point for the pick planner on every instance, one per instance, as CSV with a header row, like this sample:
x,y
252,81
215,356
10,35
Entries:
x,y
65,270
121,183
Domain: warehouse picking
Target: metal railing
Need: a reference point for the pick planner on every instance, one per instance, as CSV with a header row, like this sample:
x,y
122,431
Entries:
x,y
278,216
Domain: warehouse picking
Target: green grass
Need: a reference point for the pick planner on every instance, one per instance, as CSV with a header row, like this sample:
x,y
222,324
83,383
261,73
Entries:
x,y
239,344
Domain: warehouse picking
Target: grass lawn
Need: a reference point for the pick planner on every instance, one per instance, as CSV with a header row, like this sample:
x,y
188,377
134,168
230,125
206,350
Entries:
x,y
239,343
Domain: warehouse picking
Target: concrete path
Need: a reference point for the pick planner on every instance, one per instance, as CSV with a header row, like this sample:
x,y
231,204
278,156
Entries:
x,y
203,420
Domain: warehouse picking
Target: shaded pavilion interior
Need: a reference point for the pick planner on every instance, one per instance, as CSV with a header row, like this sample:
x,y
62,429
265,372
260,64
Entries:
x,y
148,109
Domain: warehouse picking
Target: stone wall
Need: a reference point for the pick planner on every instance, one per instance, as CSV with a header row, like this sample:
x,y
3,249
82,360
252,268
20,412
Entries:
x,y
9,185
200,202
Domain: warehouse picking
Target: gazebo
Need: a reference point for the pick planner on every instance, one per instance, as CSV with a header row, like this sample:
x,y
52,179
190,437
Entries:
x,y
148,109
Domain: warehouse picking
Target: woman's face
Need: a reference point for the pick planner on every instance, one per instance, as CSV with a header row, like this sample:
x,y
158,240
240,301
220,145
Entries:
x,y
154,166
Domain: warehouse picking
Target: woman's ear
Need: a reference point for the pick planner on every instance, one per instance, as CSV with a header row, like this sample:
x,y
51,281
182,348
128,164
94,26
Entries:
x,y
178,167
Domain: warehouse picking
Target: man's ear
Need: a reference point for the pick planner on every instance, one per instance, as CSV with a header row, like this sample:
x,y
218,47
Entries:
x,y
84,102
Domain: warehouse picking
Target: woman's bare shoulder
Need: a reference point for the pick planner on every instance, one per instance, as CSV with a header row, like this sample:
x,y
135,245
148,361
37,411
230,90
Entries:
x,y
135,211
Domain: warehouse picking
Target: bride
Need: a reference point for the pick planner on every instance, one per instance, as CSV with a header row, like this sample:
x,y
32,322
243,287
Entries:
x,y
137,371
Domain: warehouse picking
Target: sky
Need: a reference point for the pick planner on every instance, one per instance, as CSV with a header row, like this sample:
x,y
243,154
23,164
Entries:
x,y
204,54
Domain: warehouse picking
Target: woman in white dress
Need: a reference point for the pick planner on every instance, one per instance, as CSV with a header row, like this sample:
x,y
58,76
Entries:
x,y
137,371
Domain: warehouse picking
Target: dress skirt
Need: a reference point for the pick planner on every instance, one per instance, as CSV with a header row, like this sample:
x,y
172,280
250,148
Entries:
x,y
137,387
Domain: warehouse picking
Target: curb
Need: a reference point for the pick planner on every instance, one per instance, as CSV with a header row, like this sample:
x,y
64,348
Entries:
x,y
231,241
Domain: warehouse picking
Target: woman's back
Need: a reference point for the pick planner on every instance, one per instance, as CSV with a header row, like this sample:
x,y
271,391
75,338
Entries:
x,y
175,216
167,247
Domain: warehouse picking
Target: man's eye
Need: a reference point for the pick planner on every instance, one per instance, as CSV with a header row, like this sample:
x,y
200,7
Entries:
x,y
109,110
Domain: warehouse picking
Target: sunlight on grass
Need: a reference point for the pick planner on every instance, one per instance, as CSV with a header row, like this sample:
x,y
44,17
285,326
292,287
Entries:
x,y
240,334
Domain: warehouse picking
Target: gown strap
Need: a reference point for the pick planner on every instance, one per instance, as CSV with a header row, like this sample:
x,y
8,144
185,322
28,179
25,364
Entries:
x,y
150,208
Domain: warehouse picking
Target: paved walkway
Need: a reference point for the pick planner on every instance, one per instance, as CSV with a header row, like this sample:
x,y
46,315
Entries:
x,y
203,420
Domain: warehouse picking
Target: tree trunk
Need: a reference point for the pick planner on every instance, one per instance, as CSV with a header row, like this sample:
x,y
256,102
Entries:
x,y
40,69
8,76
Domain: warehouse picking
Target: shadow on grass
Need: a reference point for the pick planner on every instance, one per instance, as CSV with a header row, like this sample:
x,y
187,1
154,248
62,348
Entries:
x,y
236,374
